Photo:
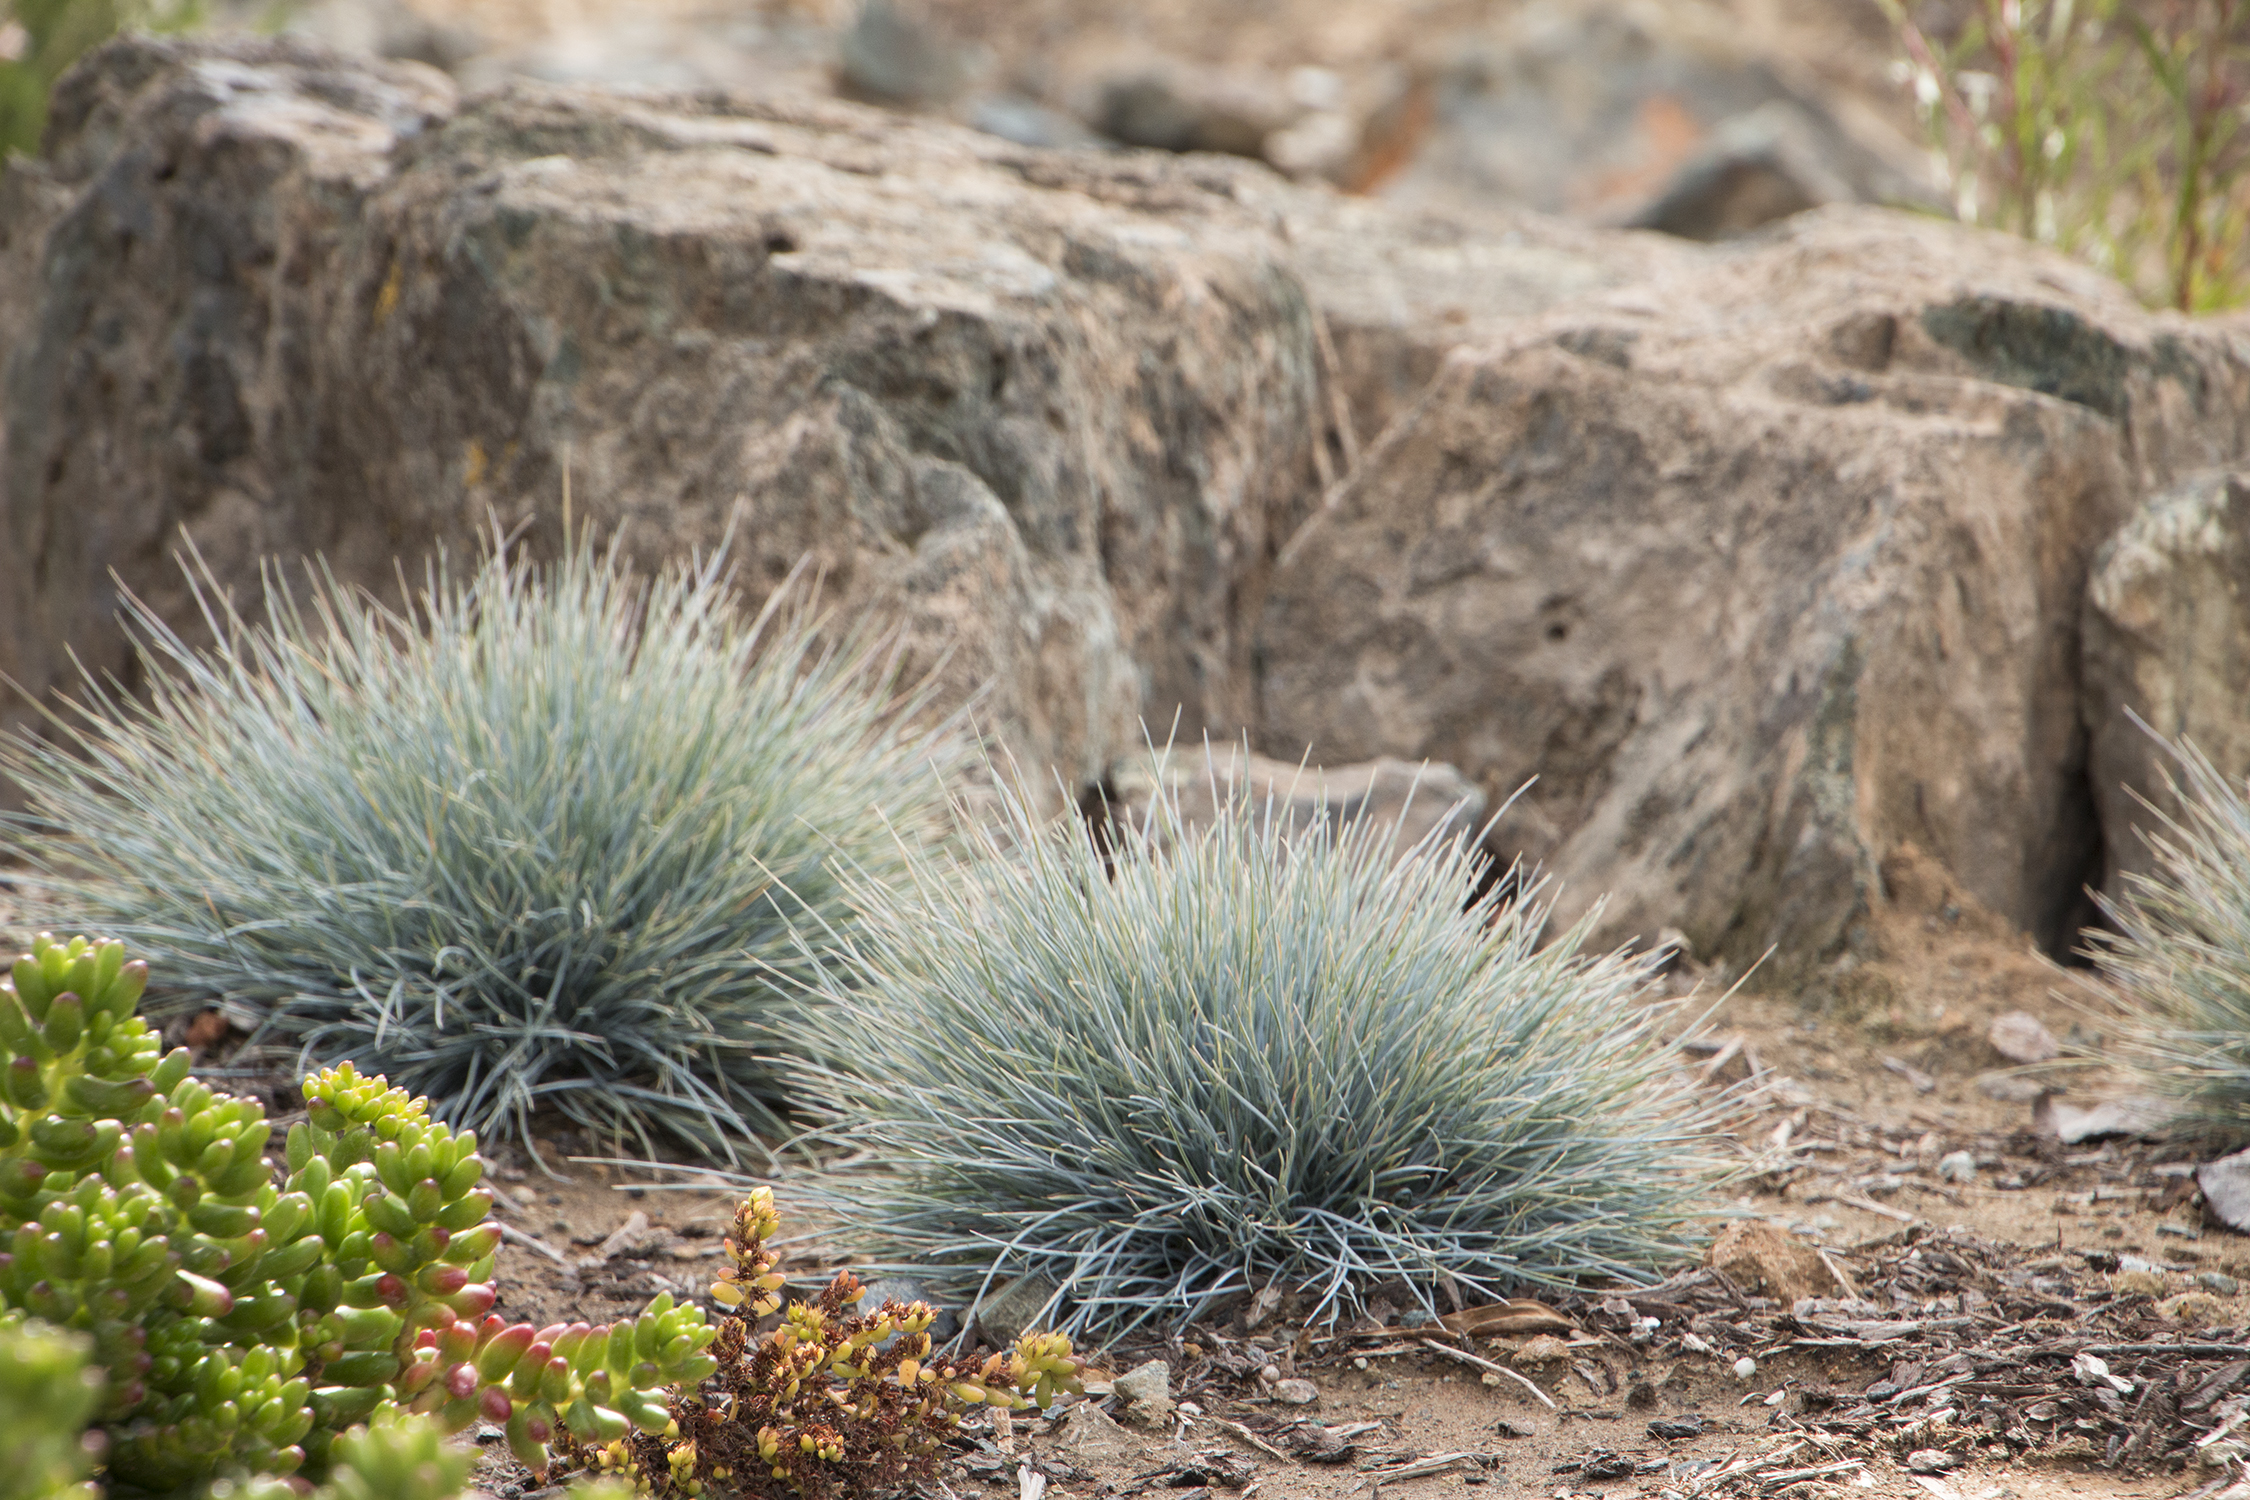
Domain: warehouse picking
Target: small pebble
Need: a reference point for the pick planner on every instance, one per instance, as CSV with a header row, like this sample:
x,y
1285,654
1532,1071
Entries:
x,y
1296,1392
2224,1454
1745,1367
1269,1374
2220,1282
1360,1363
1957,1166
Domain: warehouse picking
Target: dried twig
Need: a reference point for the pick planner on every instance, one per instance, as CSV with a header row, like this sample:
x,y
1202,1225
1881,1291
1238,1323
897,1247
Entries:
x,y
1828,1259
1864,1205
515,1236
1787,1477
1250,1437
1488,1366
1435,1463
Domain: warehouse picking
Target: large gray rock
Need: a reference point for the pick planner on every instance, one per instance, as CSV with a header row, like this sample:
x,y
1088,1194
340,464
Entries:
x,y
1762,570
153,380
2168,641
1659,115
1048,416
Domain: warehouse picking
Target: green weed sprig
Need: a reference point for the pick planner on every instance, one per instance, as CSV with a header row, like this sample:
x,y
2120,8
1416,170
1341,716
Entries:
x,y
2113,129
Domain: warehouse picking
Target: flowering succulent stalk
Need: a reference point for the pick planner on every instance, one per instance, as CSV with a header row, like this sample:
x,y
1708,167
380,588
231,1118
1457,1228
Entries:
x,y
240,1322
832,1401
405,1297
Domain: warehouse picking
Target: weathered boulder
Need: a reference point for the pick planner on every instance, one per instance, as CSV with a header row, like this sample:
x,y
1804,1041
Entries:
x,y
1049,416
1656,115
1765,560
1761,569
1409,802
2167,640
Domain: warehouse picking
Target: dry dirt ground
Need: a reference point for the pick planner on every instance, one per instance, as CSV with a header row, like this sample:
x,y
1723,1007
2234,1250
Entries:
x,y
1930,1295
2032,1320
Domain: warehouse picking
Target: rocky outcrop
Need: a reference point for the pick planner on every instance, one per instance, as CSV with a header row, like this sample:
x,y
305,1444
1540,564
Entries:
x,y
1758,563
1758,571
1048,416
153,378
2168,642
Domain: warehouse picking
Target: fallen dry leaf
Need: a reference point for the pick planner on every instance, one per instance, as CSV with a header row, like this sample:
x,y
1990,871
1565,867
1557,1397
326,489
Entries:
x,y
1517,1316
207,1029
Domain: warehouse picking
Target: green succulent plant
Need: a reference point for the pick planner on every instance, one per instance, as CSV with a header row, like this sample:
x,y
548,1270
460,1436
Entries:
x,y
47,1400
394,1457
243,1315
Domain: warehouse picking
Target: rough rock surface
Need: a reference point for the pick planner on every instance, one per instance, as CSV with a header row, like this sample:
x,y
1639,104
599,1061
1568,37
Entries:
x,y
2226,1189
2022,1037
1048,415
1401,288
1411,801
150,378
2168,641
1767,560
1762,569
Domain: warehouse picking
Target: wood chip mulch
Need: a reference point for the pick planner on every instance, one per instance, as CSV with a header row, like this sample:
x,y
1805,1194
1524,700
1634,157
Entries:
x,y
1987,1350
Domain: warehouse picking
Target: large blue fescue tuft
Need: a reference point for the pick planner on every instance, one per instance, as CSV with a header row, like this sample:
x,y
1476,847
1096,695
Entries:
x,y
1202,1062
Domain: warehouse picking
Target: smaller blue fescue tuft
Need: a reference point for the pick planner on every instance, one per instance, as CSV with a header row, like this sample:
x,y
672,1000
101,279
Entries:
x,y
539,840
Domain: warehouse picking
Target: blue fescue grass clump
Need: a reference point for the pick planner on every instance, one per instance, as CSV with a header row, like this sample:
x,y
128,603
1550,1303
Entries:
x,y
539,839
1202,1061
2180,952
